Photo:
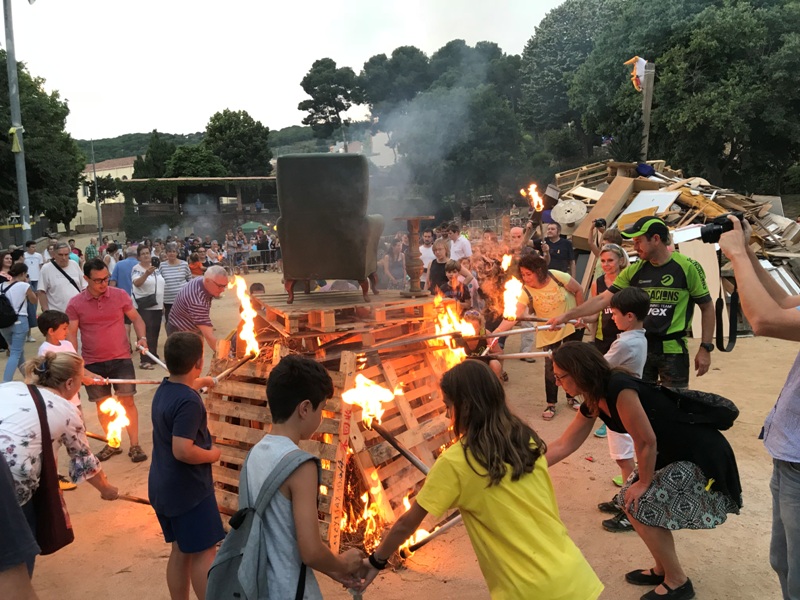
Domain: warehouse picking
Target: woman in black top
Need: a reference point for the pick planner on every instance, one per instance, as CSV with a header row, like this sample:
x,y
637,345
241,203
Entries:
x,y
686,476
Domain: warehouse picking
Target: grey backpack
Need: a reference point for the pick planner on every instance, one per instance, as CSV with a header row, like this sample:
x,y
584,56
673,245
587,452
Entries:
x,y
231,577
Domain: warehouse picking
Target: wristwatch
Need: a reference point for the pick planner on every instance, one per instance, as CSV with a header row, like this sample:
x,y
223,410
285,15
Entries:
x,y
708,347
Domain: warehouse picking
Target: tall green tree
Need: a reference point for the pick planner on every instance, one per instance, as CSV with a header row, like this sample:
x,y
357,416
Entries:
x,y
52,159
195,161
107,189
333,91
153,164
240,142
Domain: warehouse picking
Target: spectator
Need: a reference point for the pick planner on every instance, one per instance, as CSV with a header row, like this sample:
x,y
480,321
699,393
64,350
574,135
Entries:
x,y
18,547
195,265
91,250
148,299
175,273
121,278
459,245
562,256
34,260
17,291
61,280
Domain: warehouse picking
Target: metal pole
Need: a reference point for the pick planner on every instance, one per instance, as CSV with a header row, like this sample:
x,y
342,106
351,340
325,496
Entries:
x,y
97,200
16,122
647,102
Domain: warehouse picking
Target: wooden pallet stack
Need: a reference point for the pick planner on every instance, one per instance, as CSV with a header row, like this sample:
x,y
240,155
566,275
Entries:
x,y
239,416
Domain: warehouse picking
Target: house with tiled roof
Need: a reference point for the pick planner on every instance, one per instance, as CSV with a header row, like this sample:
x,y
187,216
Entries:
x,y
120,168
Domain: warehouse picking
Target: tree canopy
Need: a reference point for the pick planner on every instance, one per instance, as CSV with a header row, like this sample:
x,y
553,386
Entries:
x,y
333,91
240,142
195,161
154,162
52,159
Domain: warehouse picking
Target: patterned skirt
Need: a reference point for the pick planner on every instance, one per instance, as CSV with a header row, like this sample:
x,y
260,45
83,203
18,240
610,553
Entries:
x,y
678,499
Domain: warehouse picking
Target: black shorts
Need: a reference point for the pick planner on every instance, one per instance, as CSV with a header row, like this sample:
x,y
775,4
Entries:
x,y
197,529
119,368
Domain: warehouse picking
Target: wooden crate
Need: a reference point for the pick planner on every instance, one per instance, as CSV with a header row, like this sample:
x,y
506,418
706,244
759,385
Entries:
x,y
238,417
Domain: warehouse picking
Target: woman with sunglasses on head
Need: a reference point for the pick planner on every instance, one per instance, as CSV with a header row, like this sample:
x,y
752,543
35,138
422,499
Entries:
x,y
686,477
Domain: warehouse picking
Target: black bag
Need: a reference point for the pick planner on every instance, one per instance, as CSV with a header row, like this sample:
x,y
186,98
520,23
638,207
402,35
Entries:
x,y
148,301
700,408
53,527
8,316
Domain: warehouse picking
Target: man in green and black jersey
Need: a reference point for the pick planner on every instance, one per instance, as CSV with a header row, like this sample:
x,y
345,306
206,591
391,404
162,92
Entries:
x,y
675,284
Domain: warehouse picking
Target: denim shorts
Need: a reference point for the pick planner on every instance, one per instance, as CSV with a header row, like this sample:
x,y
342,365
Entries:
x,y
119,368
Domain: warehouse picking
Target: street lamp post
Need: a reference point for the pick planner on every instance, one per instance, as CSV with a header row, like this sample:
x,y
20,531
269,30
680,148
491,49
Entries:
x,y
16,124
97,199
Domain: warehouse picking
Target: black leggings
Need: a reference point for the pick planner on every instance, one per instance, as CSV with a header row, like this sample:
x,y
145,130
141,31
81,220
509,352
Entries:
x,y
550,386
152,326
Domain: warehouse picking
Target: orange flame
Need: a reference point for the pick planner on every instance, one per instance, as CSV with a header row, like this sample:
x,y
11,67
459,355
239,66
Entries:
x,y
534,199
248,333
369,396
419,534
513,289
112,407
447,321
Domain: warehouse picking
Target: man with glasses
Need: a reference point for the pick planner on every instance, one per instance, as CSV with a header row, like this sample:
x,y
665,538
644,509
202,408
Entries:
x,y
59,281
99,312
191,310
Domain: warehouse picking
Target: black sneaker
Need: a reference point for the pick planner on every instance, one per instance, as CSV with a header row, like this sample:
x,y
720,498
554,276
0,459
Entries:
x,y
618,524
608,507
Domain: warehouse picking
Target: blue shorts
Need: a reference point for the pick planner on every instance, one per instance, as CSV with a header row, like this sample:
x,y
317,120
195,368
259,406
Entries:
x,y
119,368
195,530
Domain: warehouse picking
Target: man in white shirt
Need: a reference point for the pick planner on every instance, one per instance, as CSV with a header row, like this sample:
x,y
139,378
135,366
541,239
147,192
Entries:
x,y
61,280
459,245
34,260
426,250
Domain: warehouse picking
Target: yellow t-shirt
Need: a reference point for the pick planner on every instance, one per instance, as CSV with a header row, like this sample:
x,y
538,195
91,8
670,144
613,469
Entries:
x,y
522,546
550,301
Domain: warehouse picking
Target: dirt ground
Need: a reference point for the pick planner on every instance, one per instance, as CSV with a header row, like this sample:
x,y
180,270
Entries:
x,y
119,551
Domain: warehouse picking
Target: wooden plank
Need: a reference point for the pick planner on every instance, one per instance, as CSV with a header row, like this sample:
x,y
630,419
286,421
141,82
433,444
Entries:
x,y
225,475
227,502
238,409
235,432
239,389
232,455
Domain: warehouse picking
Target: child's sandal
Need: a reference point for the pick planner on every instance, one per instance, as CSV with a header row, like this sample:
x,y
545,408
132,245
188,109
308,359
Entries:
x,y
549,412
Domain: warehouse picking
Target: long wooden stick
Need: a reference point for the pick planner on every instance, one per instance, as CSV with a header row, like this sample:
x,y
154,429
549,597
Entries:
x,y
136,499
106,381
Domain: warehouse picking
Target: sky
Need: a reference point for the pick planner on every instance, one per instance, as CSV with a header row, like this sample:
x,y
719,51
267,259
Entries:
x,y
128,67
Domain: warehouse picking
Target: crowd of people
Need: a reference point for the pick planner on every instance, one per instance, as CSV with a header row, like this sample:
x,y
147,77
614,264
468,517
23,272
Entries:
x,y
675,473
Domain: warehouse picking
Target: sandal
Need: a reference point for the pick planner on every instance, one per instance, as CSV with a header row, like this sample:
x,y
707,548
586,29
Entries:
x,y
147,366
107,452
549,412
644,577
682,592
136,454
505,376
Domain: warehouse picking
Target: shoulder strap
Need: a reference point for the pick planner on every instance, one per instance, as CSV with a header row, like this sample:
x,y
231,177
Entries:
x,y
5,290
556,279
530,299
64,273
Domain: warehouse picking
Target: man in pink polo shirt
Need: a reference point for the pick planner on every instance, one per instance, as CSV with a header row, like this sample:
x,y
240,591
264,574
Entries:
x,y
99,312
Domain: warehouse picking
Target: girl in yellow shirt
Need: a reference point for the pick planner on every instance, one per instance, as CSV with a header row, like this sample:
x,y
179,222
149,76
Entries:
x,y
496,475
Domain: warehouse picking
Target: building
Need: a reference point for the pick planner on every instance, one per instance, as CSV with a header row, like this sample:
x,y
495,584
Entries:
x,y
119,168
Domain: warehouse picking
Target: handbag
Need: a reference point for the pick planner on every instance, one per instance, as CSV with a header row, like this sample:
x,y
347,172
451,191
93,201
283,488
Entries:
x,y
148,301
53,527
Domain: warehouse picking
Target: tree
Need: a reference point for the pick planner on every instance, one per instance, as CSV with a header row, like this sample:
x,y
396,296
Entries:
x,y
153,164
240,142
333,91
106,189
195,161
52,159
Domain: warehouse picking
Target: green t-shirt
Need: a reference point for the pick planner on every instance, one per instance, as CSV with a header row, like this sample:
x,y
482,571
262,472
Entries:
x,y
674,288
522,546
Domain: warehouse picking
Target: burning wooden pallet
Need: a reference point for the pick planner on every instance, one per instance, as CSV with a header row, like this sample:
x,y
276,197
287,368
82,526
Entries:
x,y
238,415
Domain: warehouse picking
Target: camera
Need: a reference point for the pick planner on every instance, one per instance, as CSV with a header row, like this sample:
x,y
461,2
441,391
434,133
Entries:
x,y
537,245
155,261
711,232
598,223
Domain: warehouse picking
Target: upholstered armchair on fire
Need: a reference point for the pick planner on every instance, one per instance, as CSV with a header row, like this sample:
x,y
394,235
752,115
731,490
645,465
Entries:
x,y
324,228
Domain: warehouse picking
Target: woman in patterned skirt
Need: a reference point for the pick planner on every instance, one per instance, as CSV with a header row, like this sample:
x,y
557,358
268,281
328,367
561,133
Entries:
x,y
686,476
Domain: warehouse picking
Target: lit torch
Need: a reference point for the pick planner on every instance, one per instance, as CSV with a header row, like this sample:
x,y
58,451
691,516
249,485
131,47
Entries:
x,y
513,289
532,196
447,321
119,419
248,333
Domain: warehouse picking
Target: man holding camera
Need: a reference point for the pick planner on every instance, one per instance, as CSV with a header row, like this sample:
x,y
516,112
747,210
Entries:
x,y
674,283
771,311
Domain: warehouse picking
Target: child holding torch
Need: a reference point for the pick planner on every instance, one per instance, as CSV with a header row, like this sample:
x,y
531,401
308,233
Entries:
x,y
496,475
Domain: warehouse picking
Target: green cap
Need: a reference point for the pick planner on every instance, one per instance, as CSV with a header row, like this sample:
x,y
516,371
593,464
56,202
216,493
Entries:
x,y
649,225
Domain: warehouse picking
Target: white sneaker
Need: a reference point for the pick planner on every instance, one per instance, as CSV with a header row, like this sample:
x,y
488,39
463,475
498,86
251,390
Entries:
x,y
30,339
574,403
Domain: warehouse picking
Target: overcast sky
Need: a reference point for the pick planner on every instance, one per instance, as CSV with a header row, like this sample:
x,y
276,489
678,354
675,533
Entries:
x,y
127,67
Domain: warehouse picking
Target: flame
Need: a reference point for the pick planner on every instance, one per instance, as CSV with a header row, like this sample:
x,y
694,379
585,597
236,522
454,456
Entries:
x,y
447,321
371,518
419,534
534,199
112,407
369,396
513,289
248,333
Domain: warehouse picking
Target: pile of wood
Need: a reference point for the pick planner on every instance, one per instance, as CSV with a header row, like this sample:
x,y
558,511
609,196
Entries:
x,y
608,188
348,337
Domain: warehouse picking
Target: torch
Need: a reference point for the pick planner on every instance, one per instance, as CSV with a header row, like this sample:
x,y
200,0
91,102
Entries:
x,y
152,357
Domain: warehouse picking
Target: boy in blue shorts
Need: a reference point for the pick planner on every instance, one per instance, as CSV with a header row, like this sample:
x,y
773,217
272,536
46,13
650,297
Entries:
x,y
180,485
